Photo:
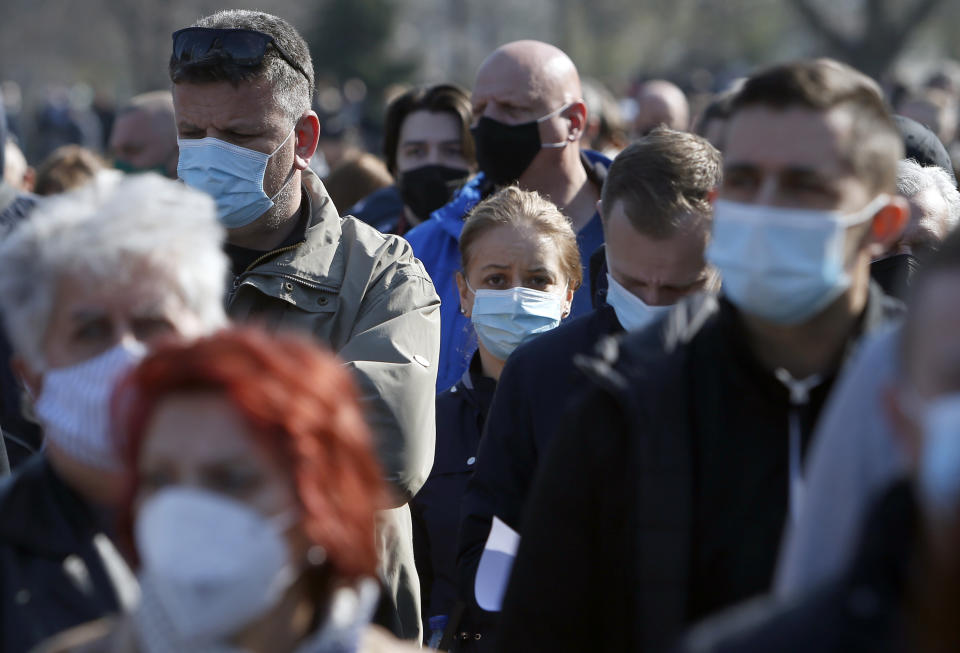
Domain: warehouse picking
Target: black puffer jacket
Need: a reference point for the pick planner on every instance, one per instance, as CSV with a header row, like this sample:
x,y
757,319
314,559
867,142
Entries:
x,y
57,568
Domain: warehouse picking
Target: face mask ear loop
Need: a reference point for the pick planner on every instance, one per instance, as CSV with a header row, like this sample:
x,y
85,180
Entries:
x,y
561,144
293,170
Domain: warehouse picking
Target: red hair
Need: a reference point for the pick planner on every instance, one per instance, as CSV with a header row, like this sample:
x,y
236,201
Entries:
x,y
303,408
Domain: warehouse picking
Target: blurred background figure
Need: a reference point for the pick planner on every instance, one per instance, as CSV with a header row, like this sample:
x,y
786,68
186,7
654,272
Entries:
x,y
67,168
429,151
606,130
933,107
144,135
520,267
934,206
355,178
88,283
16,172
712,122
260,535
660,102
65,117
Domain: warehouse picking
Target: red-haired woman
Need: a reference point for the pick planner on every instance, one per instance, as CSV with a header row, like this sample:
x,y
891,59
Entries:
x,y
250,512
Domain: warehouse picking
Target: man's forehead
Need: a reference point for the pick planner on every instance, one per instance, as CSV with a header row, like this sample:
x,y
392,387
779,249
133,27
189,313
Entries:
x,y
794,137
253,102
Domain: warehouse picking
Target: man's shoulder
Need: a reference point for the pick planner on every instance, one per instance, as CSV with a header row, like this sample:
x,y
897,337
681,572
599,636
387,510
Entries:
x,y
578,335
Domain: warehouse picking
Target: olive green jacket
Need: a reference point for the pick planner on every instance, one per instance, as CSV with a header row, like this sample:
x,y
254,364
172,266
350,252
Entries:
x,y
364,295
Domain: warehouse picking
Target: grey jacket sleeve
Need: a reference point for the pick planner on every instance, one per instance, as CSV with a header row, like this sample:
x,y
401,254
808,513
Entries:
x,y
393,349
854,456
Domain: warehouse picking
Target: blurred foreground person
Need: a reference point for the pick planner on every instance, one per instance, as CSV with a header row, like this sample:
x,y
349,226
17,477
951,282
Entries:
x,y
899,590
259,536
529,116
656,215
242,86
87,284
689,440
429,150
66,168
521,268
144,135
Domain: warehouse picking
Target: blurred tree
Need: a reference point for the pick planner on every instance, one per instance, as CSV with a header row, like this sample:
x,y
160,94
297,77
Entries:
x,y
351,39
886,27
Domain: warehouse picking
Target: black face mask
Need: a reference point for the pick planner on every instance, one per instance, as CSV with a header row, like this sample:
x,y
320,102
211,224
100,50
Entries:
x,y
426,189
504,151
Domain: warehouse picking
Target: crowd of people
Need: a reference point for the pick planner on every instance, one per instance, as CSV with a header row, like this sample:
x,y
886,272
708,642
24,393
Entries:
x,y
541,377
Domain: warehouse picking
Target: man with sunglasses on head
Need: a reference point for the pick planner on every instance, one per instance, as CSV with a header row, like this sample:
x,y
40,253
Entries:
x,y
242,89
528,117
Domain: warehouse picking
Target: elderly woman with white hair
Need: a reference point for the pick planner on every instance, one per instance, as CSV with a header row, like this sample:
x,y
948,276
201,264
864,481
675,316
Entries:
x,y
87,285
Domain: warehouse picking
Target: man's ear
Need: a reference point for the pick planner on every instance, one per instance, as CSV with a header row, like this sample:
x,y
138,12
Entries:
x,y
307,135
33,381
888,225
712,195
577,115
466,306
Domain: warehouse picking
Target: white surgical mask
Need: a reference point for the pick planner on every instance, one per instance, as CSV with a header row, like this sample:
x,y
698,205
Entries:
x,y
782,265
231,174
210,564
74,404
632,312
939,474
503,319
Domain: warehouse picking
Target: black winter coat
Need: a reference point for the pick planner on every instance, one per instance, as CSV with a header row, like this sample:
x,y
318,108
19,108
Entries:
x,y
461,413
538,379
57,568
862,612
663,496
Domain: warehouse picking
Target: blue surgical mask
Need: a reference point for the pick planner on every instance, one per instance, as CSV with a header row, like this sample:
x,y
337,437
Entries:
x,y
233,175
938,481
632,312
779,264
504,319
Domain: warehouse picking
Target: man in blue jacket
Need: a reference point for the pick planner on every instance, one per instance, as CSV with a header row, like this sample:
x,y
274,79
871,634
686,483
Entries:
x,y
528,119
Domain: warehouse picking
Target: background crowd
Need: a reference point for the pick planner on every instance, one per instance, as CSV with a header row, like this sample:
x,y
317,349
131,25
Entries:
x,y
302,356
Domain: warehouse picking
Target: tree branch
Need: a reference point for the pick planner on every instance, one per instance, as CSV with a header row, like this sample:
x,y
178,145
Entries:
x,y
818,23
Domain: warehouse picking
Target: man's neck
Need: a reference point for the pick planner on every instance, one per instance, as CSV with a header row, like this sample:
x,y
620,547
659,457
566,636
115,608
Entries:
x,y
814,347
570,189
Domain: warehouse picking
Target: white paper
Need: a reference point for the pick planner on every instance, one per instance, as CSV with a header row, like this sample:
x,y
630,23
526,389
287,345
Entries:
x,y
495,565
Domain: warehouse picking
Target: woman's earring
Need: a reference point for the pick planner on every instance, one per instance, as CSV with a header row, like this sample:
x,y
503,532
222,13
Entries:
x,y
316,555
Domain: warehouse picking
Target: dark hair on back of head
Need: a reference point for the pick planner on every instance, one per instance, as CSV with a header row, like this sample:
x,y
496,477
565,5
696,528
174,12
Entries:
x,y
440,98
944,260
291,90
663,181
873,145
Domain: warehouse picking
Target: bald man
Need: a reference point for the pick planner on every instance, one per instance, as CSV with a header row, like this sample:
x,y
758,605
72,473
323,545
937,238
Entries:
x,y
144,136
660,102
528,118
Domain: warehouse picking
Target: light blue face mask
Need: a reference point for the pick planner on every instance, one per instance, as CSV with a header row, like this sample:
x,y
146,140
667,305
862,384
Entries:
x,y
782,265
231,174
632,312
504,319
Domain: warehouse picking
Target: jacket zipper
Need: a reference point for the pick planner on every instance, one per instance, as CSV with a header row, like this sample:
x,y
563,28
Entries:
x,y
306,282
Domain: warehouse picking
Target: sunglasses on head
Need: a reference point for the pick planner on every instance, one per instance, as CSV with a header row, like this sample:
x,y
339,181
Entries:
x,y
243,47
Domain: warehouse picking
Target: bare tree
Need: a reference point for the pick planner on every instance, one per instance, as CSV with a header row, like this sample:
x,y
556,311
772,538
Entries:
x,y
887,27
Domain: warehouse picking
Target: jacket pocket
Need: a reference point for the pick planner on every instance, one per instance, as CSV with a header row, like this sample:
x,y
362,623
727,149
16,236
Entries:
x,y
288,302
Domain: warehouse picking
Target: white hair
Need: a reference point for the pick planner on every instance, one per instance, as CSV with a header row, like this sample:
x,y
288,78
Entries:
x,y
913,179
112,228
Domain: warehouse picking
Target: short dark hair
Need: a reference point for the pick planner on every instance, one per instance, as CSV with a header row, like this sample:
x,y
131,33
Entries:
x,y
66,168
873,146
664,180
292,91
440,98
